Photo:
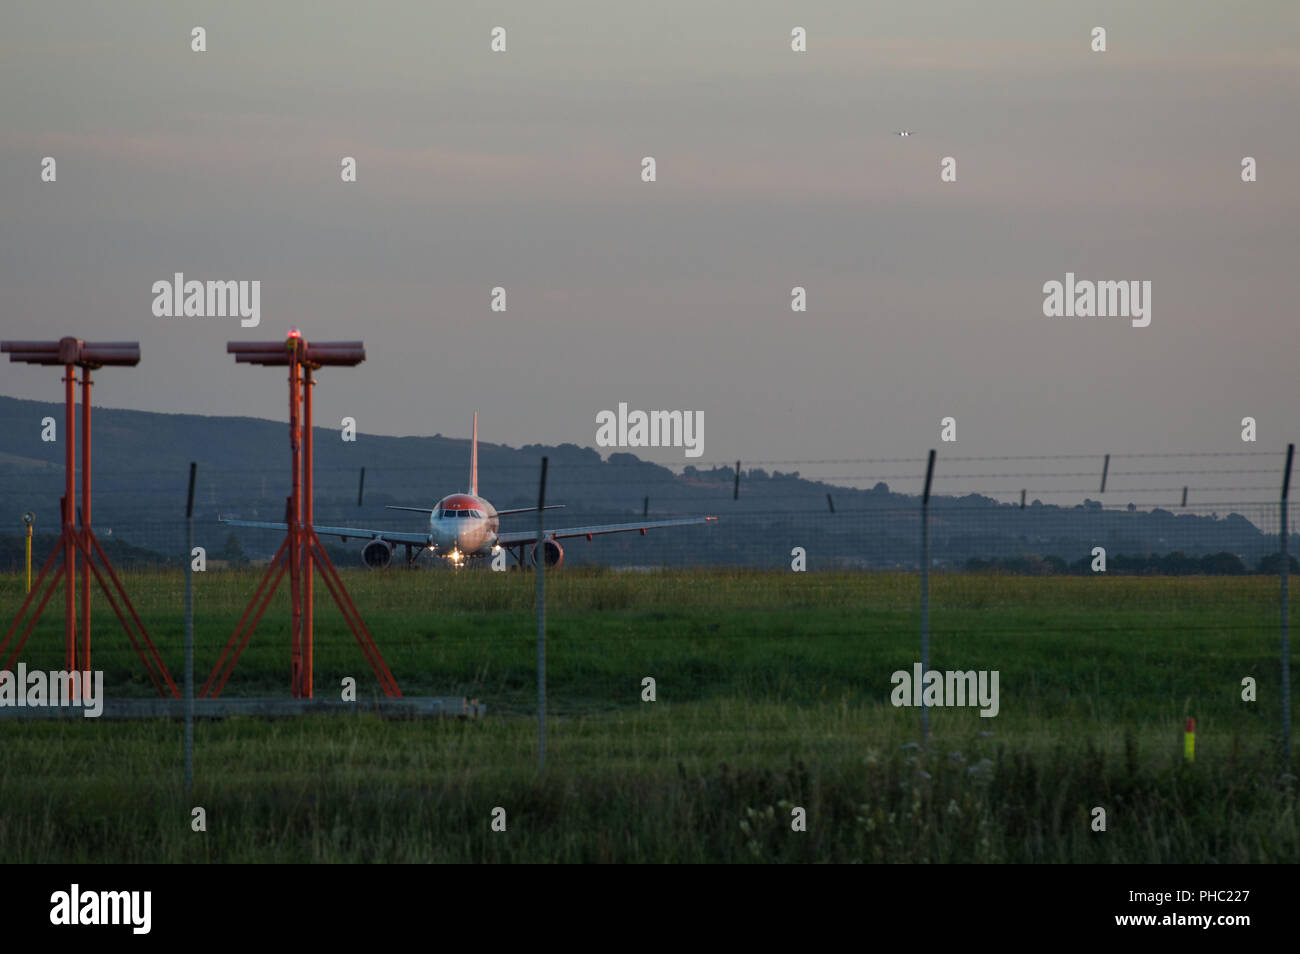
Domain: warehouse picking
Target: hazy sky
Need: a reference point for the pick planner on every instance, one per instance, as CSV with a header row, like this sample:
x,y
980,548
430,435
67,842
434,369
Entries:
x,y
775,169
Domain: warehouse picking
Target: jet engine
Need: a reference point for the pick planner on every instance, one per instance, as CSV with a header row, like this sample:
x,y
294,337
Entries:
x,y
554,553
377,554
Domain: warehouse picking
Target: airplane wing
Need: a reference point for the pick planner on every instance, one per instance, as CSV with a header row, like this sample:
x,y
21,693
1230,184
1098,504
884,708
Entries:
x,y
391,536
512,539
500,513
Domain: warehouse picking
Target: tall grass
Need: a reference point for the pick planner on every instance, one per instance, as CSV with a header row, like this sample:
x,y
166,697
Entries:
x,y
773,694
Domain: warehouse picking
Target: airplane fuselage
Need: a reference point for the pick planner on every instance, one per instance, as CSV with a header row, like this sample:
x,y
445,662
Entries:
x,y
464,525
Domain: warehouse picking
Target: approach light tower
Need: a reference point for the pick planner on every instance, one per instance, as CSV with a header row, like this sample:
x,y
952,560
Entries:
x,y
75,353
301,549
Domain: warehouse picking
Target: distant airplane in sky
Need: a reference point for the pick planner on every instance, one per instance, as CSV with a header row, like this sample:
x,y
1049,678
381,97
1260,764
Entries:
x,y
904,132
465,526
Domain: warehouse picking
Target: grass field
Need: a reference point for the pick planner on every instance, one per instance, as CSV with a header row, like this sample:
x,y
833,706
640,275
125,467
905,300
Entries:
x,y
772,693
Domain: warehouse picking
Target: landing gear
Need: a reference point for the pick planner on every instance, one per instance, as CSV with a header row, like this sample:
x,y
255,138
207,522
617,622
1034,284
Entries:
x,y
413,553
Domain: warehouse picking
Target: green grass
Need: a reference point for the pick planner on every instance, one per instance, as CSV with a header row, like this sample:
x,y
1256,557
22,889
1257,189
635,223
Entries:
x,y
773,692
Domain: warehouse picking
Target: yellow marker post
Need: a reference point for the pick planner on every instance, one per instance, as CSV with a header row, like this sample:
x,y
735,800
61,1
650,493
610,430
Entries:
x,y
28,519
1189,740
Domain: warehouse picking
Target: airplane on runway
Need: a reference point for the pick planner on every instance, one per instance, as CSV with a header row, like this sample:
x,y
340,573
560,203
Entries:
x,y
465,526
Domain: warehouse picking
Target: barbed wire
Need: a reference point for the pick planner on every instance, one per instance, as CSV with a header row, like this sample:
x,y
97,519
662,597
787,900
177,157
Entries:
x,y
558,461
208,478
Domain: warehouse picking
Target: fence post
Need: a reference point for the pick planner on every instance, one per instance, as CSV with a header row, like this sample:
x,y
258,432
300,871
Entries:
x,y
925,597
189,636
1286,627
540,562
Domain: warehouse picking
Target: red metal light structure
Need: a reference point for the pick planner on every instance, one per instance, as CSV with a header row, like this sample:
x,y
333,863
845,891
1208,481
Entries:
x,y
75,353
301,549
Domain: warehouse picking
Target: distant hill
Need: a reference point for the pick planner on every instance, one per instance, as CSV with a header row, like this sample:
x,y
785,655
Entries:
x,y
142,466
119,552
